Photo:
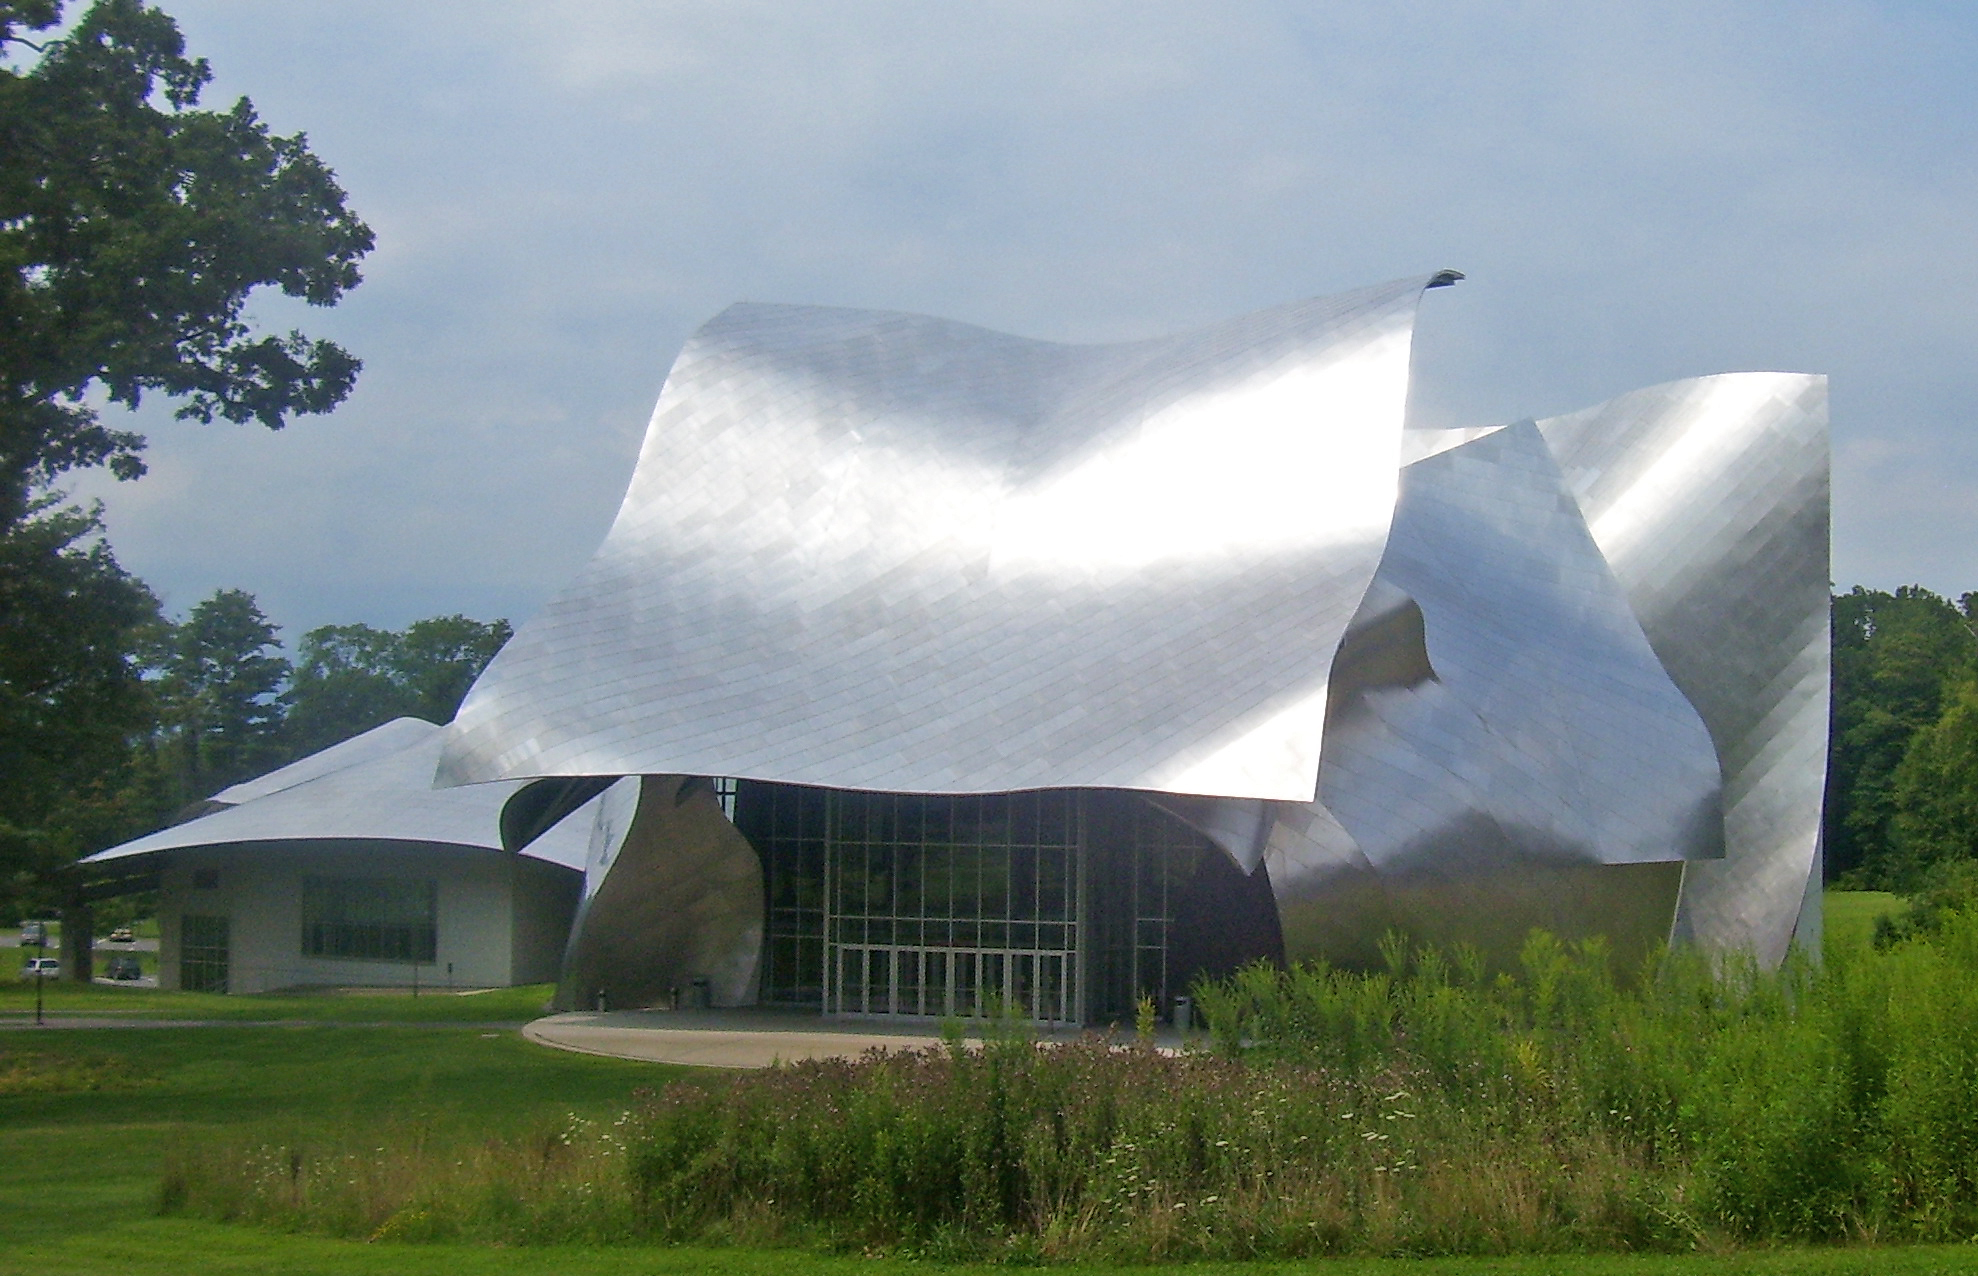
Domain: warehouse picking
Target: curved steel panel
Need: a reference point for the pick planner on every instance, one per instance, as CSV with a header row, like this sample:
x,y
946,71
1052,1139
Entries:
x,y
1547,729
1507,749
672,894
1709,497
882,551
373,787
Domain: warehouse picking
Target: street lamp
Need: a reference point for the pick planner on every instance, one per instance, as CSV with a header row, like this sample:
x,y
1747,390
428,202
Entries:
x,y
41,950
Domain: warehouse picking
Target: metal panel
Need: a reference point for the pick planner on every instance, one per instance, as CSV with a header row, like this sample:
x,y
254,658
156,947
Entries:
x,y
1494,781
1547,728
1709,497
673,894
374,787
882,551
886,552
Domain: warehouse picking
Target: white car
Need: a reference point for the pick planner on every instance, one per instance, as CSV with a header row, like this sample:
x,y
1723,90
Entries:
x,y
46,967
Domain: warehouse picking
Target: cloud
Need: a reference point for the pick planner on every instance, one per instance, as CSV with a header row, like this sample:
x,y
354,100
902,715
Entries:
x,y
563,191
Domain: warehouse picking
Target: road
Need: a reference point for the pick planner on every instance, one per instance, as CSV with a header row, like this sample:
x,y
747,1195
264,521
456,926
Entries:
x,y
12,939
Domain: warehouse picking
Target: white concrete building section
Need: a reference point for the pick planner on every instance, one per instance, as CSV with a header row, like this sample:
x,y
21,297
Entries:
x,y
347,868
494,919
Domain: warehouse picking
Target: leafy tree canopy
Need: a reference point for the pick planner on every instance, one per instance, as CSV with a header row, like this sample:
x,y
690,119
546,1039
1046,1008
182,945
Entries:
x,y
221,675
72,692
1899,661
133,226
350,678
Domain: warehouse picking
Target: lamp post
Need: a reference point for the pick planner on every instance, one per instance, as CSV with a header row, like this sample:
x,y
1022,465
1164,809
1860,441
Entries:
x,y
41,949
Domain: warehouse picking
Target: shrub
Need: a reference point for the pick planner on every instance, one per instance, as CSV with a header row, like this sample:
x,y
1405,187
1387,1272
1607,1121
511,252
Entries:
x,y
1430,1107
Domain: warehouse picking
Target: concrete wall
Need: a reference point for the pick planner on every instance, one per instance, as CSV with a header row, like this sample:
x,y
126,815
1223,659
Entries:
x,y
545,900
497,914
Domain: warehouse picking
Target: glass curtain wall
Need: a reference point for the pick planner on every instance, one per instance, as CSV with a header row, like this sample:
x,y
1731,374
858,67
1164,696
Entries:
x,y
1141,861
1056,905
204,954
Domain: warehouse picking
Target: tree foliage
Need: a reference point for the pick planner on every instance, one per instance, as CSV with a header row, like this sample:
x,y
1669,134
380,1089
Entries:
x,y
221,676
1936,790
133,227
350,678
1902,733
72,691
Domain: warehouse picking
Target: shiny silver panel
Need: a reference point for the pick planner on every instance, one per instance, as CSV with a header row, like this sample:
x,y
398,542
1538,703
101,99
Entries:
x,y
1576,675
1546,728
882,551
1501,735
672,894
1709,497
374,787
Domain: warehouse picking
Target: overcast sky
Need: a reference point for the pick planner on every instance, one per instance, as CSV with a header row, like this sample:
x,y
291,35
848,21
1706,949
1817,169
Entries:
x,y
563,192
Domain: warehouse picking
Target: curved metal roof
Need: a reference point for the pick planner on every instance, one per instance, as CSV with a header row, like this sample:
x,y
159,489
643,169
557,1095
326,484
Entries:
x,y
374,787
888,552
885,551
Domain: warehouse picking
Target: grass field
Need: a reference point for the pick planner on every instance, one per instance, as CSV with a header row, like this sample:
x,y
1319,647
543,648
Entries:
x,y
67,1000
1850,916
80,1167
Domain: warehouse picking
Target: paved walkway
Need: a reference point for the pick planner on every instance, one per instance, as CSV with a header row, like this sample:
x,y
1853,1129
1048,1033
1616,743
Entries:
x,y
732,1038
54,1022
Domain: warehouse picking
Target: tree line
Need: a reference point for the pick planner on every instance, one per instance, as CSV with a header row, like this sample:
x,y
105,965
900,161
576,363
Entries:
x,y
1902,759
153,716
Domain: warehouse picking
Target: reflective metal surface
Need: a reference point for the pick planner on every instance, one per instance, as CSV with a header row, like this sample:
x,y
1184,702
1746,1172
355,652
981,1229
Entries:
x,y
1569,673
1545,728
881,551
375,787
1486,758
1709,497
672,894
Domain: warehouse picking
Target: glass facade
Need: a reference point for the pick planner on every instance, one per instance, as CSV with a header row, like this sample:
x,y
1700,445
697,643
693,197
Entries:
x,y
370,918
203,953
1055,905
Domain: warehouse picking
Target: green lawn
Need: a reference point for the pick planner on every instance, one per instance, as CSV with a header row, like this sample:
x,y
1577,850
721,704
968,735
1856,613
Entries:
x,y
1850,915
79,1169
64,999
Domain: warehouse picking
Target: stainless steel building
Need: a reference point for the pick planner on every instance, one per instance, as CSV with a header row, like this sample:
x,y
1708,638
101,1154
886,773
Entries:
x,y
956,667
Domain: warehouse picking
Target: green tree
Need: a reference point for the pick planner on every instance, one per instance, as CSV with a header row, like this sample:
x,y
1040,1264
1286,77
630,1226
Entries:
x,y
73,698
350,678
133,227
221,681
1936,793
1896,655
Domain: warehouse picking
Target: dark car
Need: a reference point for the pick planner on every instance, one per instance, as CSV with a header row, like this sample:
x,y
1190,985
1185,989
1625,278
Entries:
x,y
124,967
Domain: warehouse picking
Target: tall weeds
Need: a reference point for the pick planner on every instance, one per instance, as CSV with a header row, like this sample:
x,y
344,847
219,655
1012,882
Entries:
x,y
1432,1107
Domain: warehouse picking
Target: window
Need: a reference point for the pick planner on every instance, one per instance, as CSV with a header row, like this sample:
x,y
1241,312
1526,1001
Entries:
x,y
370,918
202,954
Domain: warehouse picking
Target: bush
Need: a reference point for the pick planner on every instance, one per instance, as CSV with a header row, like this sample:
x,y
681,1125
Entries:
x,y
1428,1108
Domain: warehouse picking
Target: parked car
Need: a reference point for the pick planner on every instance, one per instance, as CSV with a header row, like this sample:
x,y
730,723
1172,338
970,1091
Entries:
x,y
46,967
122,935
124,967
34,934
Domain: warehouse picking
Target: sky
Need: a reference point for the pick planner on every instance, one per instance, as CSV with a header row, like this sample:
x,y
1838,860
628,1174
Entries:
x,y
562,192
